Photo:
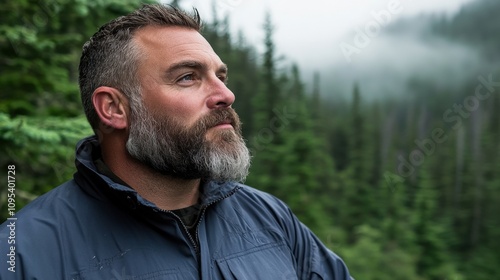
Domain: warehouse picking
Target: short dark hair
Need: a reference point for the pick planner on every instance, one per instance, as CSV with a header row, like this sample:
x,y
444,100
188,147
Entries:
x,y
110,58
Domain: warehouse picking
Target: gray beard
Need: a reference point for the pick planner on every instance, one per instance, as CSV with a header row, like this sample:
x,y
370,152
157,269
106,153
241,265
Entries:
x,y
171,149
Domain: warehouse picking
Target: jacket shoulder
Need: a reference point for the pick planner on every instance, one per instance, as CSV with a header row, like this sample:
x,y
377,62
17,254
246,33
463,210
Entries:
x,y
52,203
259,195
41,220
257,209
43,229
254,197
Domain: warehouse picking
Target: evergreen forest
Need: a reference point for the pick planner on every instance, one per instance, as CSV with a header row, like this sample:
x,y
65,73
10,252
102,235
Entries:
x,y
400,188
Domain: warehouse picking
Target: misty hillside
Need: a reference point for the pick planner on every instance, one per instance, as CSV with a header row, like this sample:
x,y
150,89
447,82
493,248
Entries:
x,y
445,51
477,24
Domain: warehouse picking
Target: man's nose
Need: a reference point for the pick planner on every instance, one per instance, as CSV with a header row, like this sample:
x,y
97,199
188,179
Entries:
x,y
220,95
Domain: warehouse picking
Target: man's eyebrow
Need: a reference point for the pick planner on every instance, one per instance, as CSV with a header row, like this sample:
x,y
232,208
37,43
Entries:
x,y
194,65
184,64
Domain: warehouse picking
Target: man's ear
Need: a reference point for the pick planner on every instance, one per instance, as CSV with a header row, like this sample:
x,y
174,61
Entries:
x,y
111,107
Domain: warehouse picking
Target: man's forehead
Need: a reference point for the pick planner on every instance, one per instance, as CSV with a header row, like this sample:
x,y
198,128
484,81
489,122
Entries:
x,y
175,44
168,36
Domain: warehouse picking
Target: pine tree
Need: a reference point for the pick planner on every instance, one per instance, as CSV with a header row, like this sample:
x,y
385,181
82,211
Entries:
x,y
267,98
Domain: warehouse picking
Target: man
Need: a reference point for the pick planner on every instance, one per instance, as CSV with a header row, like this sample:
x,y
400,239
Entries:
x,y
156,192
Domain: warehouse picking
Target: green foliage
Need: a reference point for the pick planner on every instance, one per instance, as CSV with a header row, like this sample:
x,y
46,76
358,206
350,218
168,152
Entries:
x,y
40,43
42,149
374,258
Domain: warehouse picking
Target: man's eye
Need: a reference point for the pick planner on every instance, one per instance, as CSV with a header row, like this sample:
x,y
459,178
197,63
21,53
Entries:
x,y
188,77
223,78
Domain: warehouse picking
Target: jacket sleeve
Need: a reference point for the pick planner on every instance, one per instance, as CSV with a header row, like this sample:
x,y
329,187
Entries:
x,y
314,259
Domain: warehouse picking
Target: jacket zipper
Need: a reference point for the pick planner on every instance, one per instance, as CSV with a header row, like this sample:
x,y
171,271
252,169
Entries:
x,y
185,229
194,241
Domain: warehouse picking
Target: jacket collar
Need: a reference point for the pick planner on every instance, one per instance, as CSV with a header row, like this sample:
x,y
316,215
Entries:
x,y
96,184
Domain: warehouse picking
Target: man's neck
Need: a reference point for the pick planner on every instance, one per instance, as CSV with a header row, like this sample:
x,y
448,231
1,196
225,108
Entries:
x,y
166,192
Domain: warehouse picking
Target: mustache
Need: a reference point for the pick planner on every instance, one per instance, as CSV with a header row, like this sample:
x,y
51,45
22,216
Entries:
x,y
220,116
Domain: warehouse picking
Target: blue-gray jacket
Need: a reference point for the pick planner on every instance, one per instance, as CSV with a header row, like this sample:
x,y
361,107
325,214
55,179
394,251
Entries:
x,y
93,228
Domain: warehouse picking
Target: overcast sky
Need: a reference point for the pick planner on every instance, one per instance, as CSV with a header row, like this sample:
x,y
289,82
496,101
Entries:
x,y
308,30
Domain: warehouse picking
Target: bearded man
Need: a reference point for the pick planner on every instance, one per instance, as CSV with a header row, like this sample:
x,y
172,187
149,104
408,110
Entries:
x,y
158,193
